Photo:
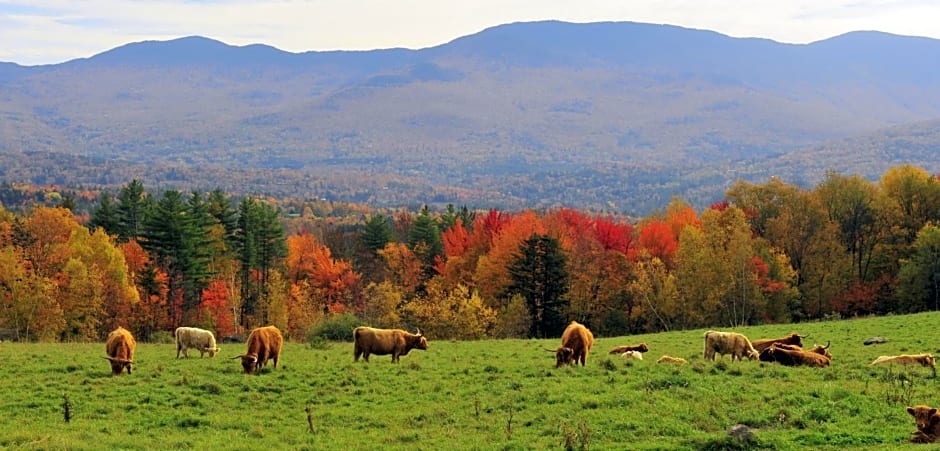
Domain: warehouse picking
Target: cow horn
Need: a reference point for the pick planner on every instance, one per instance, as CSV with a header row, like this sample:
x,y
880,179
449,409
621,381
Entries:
x,y
108,358
551,350
803,336
236,357
827,344
419,330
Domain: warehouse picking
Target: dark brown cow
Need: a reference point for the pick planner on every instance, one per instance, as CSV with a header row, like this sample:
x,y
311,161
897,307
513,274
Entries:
x,y
624,348
396,342
728,343
766,356
793,357
794,339
928,423
120,349
576,343
264,343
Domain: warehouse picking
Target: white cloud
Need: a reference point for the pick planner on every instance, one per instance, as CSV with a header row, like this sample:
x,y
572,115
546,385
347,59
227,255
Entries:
x,y
57,30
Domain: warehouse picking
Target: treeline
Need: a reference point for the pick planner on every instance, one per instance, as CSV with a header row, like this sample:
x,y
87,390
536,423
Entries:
x,y
766,253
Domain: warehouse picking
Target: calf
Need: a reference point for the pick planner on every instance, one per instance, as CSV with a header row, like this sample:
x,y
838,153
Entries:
x,y
634,355
928,423
671,359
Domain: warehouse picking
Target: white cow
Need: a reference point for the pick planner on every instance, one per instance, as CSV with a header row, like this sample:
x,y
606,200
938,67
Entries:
x,y
635,355
193,337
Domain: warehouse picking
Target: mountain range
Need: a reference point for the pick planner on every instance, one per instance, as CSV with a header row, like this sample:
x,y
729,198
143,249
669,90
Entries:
x,y
615,116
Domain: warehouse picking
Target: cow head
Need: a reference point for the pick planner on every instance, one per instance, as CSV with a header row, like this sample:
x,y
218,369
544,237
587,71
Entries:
x,y
752,354
642,347
767,355
563,356
212,351
822,350
118,365
422,342
923,416
249,362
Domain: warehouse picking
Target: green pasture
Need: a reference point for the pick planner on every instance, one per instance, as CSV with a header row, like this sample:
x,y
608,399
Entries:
x,y
497,394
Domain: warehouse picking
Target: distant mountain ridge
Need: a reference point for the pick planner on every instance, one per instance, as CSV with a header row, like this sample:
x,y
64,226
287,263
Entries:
x,y
613,115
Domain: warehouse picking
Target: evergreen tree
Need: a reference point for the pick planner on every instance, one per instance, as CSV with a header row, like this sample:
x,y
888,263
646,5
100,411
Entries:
x,y
376,233
539,274
132,209
424,239
105,215
260,244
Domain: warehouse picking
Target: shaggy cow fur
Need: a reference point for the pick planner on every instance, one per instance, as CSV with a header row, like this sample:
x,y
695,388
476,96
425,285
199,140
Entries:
x,y
576,343
193,337
728,343
794,339
264,343
624,348
120,349
396,342
928,423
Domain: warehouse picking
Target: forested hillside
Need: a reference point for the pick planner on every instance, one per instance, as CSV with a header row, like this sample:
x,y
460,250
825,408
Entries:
x,y
155,259
615,117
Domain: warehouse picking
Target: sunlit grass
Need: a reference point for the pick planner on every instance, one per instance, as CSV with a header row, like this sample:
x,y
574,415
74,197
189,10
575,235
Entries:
x,y
497,394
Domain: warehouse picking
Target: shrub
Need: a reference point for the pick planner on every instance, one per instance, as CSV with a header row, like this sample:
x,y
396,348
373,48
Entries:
x,y
335,328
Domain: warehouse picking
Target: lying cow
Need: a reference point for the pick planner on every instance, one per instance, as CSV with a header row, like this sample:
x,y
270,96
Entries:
x,y
926,360
193,337
728,343
120,349
624,348
766,356
793,357
928,423
671,359
794,339
576,343
633,355
264,343
397,342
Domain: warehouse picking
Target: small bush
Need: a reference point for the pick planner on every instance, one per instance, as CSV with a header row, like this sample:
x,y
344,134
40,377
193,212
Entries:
x,y
334,328
162,337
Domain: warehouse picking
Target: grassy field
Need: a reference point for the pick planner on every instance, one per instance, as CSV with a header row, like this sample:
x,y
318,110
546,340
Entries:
x,y
503,394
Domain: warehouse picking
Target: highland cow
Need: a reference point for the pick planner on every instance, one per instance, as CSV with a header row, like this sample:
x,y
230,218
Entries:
x,y
397,342
192,337
120,349
576,343
264,343
728,343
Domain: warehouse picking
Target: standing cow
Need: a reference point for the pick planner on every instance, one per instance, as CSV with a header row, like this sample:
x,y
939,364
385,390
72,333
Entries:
x,y
728,343
263,343
193,337
397,342
576,342
120,349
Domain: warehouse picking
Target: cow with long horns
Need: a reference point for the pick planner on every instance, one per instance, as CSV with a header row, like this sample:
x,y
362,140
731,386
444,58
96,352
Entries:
x,y
264,343
397,342
794,357
120,349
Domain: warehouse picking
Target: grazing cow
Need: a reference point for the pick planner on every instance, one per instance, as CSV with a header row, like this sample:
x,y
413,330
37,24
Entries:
x,y
728,343
576,342
634,355
928,423
396,342
624,348
794,339
192,337
793,357
905,359
263,343
120,348
671,359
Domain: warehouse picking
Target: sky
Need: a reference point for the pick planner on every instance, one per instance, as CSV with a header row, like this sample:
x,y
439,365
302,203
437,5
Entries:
x,y
52,31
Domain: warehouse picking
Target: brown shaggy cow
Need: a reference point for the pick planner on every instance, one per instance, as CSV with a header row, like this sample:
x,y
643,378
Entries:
x,y
767,356
794,357
918,359
928,423
263,343
396,342
576,342
792,339
624,348
728,343
120,348
671,359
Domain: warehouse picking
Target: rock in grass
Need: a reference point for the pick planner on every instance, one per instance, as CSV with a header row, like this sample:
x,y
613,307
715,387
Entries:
x,y
875,340
741,433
